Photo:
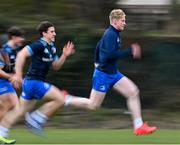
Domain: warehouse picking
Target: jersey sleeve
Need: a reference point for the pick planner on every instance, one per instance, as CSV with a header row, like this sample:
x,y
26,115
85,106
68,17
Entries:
x,y
34,48
2,59
111,49
2,64
55,55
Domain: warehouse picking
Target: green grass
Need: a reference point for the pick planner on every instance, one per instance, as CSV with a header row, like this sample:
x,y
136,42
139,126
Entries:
x,y
95,136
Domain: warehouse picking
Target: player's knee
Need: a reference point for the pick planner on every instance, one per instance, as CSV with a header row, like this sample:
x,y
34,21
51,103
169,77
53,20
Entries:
x,y
94,107
134,92
18,111
12,104
20,114
59,101
12,101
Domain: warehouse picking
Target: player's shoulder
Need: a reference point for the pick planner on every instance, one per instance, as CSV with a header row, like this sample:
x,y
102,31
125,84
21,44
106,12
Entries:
x,y
1,55
6,48
45,43
36,43
4,56
110,33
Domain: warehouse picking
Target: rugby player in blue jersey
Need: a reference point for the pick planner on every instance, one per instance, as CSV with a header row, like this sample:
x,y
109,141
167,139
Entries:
x,y
34,87
106,74
8,96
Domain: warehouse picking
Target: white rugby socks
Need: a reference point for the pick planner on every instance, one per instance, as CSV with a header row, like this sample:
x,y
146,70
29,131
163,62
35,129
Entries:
x,y
68,99
138,122
4,131
39,116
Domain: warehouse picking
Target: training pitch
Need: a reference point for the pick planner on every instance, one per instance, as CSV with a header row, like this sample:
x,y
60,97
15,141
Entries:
x,y
95,136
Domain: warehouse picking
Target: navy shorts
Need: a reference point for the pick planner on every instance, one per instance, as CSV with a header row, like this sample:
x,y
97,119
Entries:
x,y
103,82
34,89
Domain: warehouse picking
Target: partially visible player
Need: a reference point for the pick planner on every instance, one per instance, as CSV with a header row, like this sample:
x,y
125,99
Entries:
x,y
106,74
43,54
8,96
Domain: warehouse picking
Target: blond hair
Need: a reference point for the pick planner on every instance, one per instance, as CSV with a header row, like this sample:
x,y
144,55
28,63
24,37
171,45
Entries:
x,y
116,14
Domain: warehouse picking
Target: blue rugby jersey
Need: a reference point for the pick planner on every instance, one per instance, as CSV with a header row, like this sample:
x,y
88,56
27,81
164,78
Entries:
x,y
109,50
43,54
11,52
8,68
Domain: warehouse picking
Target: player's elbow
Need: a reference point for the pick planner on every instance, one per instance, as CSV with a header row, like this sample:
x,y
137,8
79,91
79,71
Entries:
x,y
55,68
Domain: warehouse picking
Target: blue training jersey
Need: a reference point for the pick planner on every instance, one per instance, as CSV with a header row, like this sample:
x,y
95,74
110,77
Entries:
x,y
8,64
109,50
43,54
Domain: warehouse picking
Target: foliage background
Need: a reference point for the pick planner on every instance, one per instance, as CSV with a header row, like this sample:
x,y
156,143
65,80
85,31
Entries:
x,y
83,22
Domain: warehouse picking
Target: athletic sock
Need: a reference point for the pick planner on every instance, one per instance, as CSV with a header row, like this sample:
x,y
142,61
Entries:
x,y
138,122
4,131
39,117
68,100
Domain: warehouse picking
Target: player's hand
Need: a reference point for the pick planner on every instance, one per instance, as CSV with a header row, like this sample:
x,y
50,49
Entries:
x,y
16,80
136,50
68,49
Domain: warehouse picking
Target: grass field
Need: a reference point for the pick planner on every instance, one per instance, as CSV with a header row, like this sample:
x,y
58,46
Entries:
x,y
95,136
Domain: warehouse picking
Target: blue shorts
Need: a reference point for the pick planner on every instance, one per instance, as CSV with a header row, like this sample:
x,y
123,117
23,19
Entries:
x,y
34,89
103,82
6,87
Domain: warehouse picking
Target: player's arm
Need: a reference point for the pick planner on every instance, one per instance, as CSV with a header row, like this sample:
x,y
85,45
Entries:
x,y
110,48
20,62
68,49
3,74
136,50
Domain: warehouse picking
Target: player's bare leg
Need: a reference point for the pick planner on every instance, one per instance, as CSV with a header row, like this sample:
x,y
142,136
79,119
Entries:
x,y
7,102
36,119
11,117
128,89
92,103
